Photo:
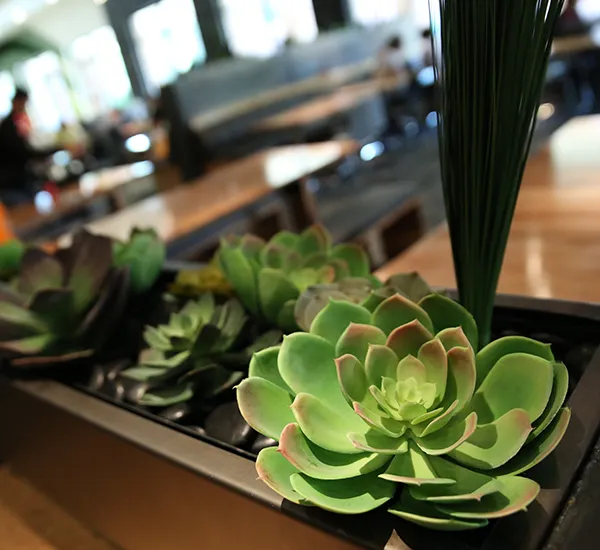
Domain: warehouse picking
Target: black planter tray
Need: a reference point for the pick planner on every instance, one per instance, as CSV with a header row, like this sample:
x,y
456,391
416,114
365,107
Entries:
x,y
144,485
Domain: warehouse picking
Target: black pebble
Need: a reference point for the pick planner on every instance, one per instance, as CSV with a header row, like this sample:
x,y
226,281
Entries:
x,y
97,378
197,429
578,359
176,413
262,442
226,424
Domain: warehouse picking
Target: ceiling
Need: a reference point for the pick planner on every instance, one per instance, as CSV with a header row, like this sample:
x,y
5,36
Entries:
x,y
15,13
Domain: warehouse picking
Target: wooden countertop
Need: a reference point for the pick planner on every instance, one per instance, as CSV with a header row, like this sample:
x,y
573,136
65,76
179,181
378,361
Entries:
x,y
28,217
238,184
325,107
578,43
554,245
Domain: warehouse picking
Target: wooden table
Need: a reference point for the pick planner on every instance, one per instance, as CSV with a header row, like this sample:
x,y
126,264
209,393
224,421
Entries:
x,y
323,108
188,208
113,184
554,245
578,43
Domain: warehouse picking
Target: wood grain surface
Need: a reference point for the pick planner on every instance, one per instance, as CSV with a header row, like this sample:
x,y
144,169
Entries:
x,y
554,245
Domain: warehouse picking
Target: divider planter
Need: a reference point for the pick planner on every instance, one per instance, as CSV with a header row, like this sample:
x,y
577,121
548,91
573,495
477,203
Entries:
x,y
153,482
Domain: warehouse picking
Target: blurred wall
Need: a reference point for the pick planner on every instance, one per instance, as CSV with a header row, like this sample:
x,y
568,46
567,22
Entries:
x,y
64,22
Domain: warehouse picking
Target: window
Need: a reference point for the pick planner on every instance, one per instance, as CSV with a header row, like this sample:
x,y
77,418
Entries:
x,y
260,28
49,97
7,91
373,12
167,40
99,74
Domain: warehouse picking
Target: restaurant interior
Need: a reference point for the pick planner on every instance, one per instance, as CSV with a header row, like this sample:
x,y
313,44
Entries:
x,y
195,122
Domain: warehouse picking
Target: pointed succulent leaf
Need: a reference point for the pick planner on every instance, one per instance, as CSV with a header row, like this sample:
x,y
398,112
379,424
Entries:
x,y
380,423
381,362
29,345
274,290
357,339
274,256
315,239
460,384
314,300
468,484
433,356
333,321
87,264
397,311
411,285
517,381
440,421
11,256
515,494
352,379
240,273
408,339
265,406
23,320
375,442
39,271
345,496
264,365
168,396
428,515
286,239
538,449
274,470
560,387
454,338
144,254
157,339
451,437
492,353
57,308
325,426
355,258
169,362
142,373
411,367
493,445
340,267
319,463
286,320
307,365
446,313
414,468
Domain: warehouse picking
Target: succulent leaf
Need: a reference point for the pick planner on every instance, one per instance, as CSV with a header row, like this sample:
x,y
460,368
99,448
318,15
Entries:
x,y
11,256
410,285
446,313
397,311
276,471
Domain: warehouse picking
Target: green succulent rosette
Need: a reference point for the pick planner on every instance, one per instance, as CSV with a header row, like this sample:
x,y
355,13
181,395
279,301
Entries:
x,y
194,354
269,277
395,407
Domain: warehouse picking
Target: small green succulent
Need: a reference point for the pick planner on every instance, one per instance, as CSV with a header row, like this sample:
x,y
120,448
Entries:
x,y
370,401
194,354
61,307
144,254
269,277
11,255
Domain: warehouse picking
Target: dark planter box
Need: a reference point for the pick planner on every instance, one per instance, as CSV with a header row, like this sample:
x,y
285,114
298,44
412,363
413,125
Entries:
x,y
146,483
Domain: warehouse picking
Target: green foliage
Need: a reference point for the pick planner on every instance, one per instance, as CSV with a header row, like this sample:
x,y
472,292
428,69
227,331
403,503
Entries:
x,y
144,254
64,306
11,255
194,354
494,56
371,401
269,277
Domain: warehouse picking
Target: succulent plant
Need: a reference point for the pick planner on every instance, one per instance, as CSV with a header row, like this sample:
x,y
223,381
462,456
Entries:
x,y
193,283
144,254
193,354
61,307
11,255
370,401
269,277
368,292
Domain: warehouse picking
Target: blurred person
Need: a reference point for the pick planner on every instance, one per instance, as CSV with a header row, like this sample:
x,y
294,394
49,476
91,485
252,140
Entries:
x,y
74,138
392,59
16,153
